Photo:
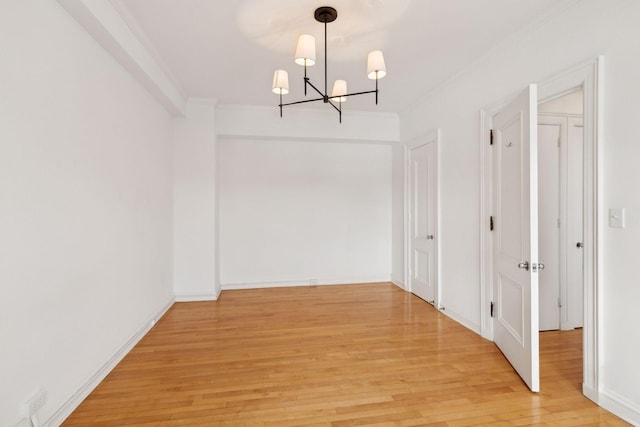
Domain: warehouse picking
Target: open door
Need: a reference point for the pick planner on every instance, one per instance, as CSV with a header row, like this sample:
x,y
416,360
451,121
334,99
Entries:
x,y
515,257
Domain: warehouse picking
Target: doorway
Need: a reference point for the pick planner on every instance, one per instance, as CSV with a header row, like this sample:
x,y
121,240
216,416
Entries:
x,y
421,220
586,76
560,212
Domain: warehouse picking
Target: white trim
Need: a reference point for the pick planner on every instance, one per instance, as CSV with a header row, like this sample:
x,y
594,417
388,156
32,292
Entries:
x,y
76,399
320,111
306,282
464,321
398,281
430,137
486,208
589,75
614,403
619,405
193,297
438,299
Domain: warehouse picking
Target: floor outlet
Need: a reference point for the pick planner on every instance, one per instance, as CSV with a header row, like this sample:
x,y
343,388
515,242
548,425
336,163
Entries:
x,y
34,403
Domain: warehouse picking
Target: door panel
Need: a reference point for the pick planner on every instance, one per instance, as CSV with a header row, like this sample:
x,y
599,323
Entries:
x,y
515,288
422,190
511,314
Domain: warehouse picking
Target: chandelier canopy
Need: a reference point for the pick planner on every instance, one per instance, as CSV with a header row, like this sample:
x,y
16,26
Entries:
x,y
306,56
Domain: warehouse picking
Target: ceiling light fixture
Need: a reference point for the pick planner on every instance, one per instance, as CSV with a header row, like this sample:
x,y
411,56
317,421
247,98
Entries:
x,y
306,56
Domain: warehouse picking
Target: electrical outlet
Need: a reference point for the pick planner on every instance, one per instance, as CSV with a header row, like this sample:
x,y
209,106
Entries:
x,y
34,403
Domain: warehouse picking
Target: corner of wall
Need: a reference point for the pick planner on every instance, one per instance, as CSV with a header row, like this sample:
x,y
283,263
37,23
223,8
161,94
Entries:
x,y
76,398
195,267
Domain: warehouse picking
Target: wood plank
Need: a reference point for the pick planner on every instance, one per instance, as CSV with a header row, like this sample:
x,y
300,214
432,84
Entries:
x,y
331,356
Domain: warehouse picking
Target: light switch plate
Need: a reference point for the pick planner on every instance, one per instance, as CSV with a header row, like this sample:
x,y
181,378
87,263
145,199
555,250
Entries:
x,y
616,217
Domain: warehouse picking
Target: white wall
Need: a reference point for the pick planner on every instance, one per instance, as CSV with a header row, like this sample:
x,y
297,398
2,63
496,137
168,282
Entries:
x,y
194,227
85,206
581,32
296,210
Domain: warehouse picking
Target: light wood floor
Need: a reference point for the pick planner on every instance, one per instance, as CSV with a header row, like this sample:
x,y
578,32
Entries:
x,y
332,356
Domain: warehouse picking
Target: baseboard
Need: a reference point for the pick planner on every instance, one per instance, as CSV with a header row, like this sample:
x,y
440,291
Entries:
x,y
398,281
76,399
464,321
193,297
590,393
620,406
306,282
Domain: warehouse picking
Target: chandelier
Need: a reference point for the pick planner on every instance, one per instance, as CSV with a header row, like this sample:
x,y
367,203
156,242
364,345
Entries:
x,y
306,56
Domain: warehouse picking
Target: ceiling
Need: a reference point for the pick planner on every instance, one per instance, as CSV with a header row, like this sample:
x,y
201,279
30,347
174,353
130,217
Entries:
x,y
228,50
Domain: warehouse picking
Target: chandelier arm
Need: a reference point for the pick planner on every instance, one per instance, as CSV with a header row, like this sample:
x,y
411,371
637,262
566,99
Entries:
x,y
334,106
360,93
304,101
316,89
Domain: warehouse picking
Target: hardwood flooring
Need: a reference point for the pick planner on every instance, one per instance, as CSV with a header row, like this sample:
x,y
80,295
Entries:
x,y
332,356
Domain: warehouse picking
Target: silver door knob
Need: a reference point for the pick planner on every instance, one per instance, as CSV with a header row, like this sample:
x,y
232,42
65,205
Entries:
x,y
540,266
524,265
579,245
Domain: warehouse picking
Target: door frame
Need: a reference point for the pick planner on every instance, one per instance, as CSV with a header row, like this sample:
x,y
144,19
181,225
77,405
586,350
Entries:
x,y
589,76
430,137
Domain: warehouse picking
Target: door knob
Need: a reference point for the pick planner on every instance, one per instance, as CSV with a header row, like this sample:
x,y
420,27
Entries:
x,y
524,265
579,245
430,237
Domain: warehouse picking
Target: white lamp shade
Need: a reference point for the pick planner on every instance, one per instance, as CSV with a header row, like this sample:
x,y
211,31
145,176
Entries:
x,y
339,89
280,82
375,65
306,50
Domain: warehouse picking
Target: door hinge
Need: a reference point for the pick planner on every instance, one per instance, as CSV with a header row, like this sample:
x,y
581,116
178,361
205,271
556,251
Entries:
x,y
491,308
491,137
491,223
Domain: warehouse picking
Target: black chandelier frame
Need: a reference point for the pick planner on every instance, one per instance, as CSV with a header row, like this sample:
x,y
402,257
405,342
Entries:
x,y
325,15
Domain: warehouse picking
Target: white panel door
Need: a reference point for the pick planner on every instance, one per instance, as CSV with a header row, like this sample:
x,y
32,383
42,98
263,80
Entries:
x,y
515,287
549,136
422,223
